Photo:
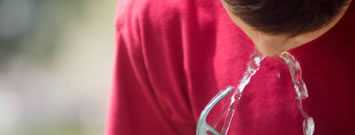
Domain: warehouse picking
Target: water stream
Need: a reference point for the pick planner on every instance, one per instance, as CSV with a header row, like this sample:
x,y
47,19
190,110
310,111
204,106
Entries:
x,y
252,68
300,89
204,128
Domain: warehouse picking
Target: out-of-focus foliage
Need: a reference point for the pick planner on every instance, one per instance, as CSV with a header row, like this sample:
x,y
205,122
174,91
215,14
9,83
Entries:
x,y
55,66
40,21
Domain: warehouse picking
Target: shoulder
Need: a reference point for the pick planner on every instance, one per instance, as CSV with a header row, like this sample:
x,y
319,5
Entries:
x,y
160,12
148,11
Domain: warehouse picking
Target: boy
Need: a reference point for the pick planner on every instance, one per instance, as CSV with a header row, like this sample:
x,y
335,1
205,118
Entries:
x,y
173,56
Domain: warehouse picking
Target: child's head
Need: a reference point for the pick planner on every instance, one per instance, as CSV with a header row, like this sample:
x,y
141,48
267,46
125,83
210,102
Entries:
x,y
286,18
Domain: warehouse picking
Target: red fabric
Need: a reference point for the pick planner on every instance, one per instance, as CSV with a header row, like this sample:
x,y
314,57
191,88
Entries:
x,y
174,55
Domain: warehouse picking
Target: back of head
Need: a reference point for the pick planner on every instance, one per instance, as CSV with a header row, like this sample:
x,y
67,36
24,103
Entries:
x,y
289,17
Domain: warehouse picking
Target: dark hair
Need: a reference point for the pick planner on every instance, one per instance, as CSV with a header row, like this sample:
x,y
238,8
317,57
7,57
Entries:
x,y
290,17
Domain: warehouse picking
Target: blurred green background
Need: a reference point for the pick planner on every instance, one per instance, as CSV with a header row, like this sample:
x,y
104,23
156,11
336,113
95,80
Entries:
x,y
56,59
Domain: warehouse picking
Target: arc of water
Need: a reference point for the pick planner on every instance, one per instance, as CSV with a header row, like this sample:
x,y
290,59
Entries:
x,y
300,89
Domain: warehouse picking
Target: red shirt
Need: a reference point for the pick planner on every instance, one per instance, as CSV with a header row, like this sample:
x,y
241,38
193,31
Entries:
x,y
174,55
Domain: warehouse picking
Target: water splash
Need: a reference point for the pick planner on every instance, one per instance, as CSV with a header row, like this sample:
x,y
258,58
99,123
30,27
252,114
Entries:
x,y
203,128
300,89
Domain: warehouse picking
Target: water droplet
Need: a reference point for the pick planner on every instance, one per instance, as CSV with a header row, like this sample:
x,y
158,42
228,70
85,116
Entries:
x,y
308,126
